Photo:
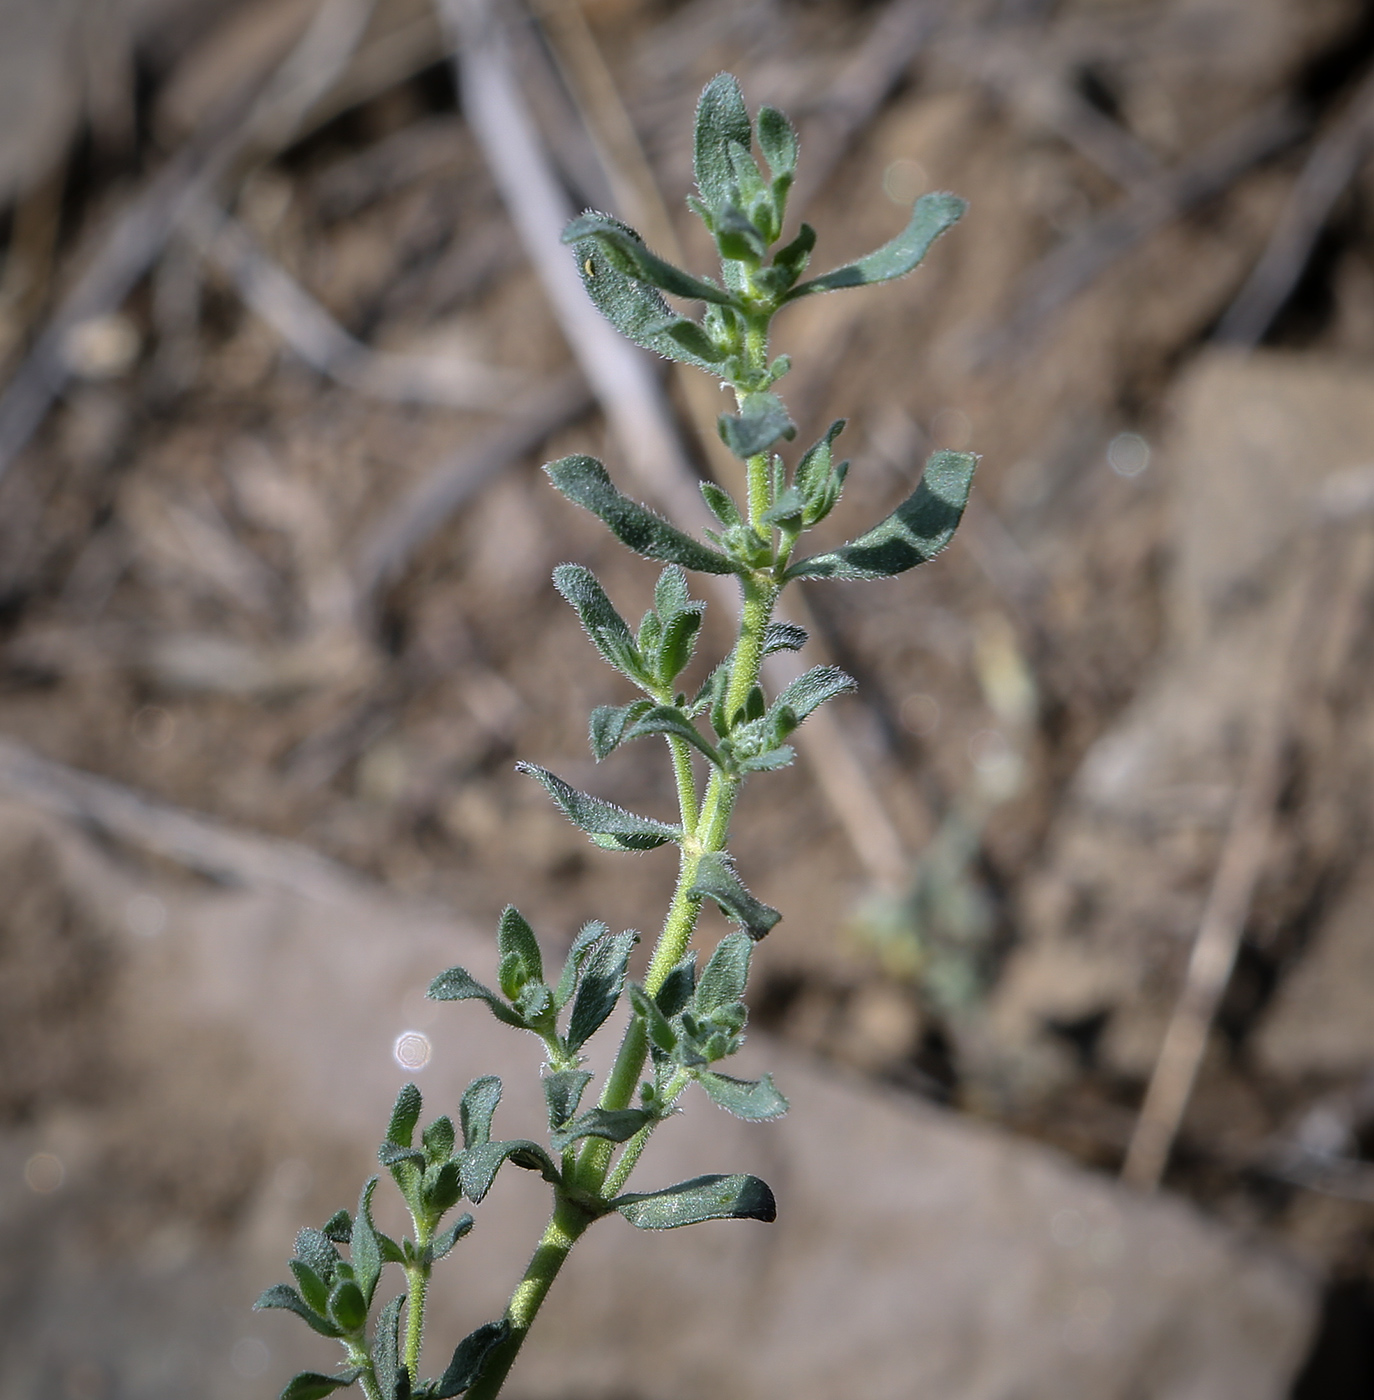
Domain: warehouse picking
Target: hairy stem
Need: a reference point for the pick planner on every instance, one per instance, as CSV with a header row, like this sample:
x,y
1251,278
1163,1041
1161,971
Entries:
x,y
563,1230
417,1289
359,1355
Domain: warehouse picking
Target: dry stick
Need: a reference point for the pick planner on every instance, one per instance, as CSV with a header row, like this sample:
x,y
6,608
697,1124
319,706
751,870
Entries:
x,y
196,842
319,340
1228,903
1333,163
622,379
139,232
1077,262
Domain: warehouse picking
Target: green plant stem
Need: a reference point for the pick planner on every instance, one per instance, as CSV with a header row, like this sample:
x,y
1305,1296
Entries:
x,y
359,1355
417,1291
620,1173
686,781
563,1231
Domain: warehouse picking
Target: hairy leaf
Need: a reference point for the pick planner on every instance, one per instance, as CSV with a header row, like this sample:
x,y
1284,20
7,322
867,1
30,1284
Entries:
x,y
588,936
563,1092
480,1164
762,420
347,1306
457,984
441,1244
438,1140
338,1227
634,308
469,1358
678,986
584,481
313,1288
678,641
661,1032
365,1249
783,636
311,1385
315,1248
282,1295
628,254
668,719
702,1198
609,632
609,826
476,1109
723,979
393,1379
602,982
716,878
721,504
515,936
777,141
913,534
932,215
722,118
812,689
612,1124
755,1100
607,726
405,1114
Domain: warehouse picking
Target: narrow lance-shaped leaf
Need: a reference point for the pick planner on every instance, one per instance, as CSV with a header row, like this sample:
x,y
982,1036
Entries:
x,y
441,1244
607,726
405,1113
612,1124
628,254
609,826
716,878
913,534
282,1295
661,1032
722,118
637,311
515,937
392,1377
602,982
563,1093
756,1101
457,984
477,1108
480,1164
783,636
812,689
609,632
724,977
702,1198
588,936
932,215
777,141
667,719
469,1359
584,481
365,1249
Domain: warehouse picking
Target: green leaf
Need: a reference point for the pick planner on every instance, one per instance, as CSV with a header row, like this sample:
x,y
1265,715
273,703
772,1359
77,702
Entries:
x,y
609,826
763,419
476,1109
756,1100
515,936
783,636
441,1244
607,725
608,631
457,984
314,1247
716,878
661,1032
563,1092
694,340
588,936
311,1385
313,1288
668,719
932,215
736,236
722,118
812,689
347,1306
405,1114
777,141
786,511
480,1164
365,1249
602,982
723,979
282,1295
469,1358
612,1124
338,1227
791,259
721,504
677,642
678,987
702,1198
392,1378
628,254
392,1154
913,534
635,309
438,1139
442,1187
584,481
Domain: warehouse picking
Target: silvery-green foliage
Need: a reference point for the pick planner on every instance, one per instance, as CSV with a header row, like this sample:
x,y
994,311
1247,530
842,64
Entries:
x,y
681,1025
